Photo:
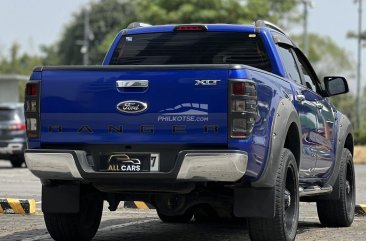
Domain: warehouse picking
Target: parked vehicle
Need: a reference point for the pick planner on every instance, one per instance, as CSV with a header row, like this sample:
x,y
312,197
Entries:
x,y
12,133
208,121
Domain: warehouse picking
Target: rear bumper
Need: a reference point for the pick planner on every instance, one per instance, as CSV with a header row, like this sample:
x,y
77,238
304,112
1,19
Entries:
x,y
191,166
9,148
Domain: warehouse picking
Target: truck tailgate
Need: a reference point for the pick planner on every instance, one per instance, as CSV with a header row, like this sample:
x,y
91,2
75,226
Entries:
x,y
183,105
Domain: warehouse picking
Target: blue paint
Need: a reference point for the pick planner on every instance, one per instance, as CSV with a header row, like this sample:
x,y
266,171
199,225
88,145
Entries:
x,y
73,99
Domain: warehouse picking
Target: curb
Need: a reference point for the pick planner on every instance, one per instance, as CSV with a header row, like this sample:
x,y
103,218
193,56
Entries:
x,y
138,205
360,210
17,206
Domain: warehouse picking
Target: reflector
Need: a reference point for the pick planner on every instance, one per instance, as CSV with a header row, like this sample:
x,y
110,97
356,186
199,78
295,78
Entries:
x,y
31,89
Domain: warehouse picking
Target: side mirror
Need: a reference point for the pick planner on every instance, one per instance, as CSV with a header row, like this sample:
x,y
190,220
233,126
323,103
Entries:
x,y
335,85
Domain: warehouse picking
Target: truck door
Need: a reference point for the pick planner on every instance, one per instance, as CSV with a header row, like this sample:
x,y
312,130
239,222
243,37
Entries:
x,y
305,102
323,135
325,155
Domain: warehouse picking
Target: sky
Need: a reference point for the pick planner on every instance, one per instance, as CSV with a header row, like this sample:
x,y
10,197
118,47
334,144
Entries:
x,y
32,23
335,18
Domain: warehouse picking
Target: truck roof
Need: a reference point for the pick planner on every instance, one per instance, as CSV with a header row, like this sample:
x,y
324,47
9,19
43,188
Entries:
x,y
249,28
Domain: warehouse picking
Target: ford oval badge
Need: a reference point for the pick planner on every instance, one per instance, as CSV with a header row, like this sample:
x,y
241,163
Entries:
x,y
131,106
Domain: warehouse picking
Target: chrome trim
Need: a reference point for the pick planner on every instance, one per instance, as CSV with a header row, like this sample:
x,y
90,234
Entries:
x,y
132,83
315,190
129,104
319,105
56,166
300,98
225,167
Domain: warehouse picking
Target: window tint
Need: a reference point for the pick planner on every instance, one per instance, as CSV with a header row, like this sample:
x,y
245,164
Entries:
x,y
290,64
311,80
7,114
192,48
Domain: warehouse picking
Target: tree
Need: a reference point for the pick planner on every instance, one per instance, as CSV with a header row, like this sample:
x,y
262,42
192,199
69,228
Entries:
x,y
322,51
107,18
361,132
212,11
104,17
19,64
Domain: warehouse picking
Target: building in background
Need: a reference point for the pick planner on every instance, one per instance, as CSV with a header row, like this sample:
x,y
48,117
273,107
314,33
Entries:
x,y
9,87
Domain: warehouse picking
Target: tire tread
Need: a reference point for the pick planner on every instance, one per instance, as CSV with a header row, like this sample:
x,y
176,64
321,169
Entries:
x,y
266,228
333,213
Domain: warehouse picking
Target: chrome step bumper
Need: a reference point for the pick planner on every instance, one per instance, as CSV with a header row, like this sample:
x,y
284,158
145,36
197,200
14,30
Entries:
x,y
195,166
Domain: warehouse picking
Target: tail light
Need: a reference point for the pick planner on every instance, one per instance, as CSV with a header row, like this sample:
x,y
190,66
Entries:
x,y
243,108
17,127
191,27
31,108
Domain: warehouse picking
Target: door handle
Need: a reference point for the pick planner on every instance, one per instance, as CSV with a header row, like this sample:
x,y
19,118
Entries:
x,y
319,106
300,98
132,83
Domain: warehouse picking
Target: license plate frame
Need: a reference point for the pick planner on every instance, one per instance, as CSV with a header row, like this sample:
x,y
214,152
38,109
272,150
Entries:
x,y
131,162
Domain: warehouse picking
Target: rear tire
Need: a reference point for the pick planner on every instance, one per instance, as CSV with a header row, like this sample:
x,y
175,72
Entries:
x,y
16,162
76,226
283,225
183,218
340,212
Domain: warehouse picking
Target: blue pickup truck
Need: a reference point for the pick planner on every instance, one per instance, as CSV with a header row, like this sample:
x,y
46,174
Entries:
x,y
205,121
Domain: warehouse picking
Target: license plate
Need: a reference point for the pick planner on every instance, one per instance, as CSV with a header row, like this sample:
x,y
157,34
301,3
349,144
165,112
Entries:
x,y
132,162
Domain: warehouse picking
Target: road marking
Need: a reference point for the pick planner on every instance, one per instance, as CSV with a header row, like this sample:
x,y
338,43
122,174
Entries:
x,y
108,228
123,225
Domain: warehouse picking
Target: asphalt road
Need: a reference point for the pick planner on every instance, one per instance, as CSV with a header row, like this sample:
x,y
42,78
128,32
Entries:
x,y
139,225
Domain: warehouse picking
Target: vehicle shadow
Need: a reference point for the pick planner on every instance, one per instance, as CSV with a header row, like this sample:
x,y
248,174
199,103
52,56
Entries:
x,y
29,234
5,164
307,226
216,231
158,231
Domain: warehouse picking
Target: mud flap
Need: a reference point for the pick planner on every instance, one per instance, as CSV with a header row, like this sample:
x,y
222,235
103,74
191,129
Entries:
x,y
60,198
254,202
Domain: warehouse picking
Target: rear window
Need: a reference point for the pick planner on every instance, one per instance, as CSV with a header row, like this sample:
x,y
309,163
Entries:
x,y
192,48
7,114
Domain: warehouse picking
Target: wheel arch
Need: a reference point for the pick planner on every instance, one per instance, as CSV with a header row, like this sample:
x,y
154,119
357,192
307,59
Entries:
x,y
349,144
293,142
285,132
344,140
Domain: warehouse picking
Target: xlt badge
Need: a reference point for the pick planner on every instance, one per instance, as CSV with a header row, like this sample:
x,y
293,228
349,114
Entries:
x,y
131,106
207,82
